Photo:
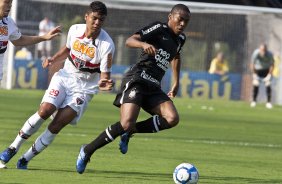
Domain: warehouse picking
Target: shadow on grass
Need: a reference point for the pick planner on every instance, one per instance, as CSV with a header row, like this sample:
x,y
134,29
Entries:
x,y
115,174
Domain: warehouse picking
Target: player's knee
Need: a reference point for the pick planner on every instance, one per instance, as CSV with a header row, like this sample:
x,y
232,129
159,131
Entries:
x,y
255,82
46,110
127,125
172,119
267,83
54,128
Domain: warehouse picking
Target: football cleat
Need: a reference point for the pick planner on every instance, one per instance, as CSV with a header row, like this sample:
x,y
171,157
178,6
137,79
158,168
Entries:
x,y
82,160
268,105
7,154
22,163
2,165
123,144
253,104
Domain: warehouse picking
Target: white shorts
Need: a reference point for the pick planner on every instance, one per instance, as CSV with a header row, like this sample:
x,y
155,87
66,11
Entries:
x,y
61,95
45,45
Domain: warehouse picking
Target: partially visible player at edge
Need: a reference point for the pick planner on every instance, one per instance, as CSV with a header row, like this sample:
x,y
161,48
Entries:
x,y
10,31
71,88
161,44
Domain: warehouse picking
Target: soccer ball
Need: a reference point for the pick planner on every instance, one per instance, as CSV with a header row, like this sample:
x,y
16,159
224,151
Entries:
x,y
185,173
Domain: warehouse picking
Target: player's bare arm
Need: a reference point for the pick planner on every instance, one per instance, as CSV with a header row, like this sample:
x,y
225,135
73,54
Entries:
x,y
105,82
135,42
30,40
61,55
175,65
271,69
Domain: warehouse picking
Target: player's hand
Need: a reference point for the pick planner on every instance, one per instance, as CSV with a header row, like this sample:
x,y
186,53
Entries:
x,y
173,92
255,76
106,84
47,62
149,49
53,33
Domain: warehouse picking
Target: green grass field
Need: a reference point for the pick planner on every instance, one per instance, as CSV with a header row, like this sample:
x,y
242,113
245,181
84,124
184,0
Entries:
x,y
229,143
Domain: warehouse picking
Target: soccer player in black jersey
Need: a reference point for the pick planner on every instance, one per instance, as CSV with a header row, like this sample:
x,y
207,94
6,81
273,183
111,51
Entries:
x,y
161,44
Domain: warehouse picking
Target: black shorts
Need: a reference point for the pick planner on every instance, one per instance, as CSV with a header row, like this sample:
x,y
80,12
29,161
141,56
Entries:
x,y
262,73
141,93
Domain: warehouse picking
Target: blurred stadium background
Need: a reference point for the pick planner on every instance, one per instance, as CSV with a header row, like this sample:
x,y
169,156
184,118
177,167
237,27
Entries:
x,y
234,29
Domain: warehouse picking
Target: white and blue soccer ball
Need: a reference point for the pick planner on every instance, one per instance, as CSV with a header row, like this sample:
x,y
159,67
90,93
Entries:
x,y
185,173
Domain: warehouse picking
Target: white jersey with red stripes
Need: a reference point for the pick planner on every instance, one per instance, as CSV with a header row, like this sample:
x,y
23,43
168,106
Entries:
x,y
8,31
87,59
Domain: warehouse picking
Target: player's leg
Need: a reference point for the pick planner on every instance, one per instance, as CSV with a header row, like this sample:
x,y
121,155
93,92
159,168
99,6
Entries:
x,y
29,128
267,83
166,117
129,113
53,98
70,112
48,49
255,89
63,117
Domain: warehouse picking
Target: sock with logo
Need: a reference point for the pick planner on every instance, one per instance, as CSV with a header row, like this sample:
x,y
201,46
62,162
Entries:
x,y
152,125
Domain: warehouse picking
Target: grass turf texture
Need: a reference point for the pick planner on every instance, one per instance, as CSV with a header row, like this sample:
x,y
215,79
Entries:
x,y
229,143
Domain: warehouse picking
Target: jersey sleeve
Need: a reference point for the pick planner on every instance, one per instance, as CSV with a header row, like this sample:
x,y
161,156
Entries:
x,y
107,56
14,30
68,44
150,31
254,56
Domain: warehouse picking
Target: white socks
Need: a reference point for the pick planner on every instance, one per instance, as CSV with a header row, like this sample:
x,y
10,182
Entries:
x,y
29,128
40,144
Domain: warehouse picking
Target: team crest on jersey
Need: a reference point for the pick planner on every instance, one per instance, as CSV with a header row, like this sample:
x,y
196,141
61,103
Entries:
x,y
132,93
79,101
4,30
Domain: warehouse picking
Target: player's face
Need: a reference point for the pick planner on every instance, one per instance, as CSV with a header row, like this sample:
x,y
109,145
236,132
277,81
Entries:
x,y
178,21
262,50
5,7
94,22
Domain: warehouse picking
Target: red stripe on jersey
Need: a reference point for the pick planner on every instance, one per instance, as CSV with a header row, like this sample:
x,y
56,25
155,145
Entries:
x,y
3,43
81,37
87,63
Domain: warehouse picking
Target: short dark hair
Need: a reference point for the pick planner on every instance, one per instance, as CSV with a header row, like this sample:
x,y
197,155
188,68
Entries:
x,y
97,6
179,7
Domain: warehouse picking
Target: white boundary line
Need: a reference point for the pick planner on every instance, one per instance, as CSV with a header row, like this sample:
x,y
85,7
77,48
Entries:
x,y
211,142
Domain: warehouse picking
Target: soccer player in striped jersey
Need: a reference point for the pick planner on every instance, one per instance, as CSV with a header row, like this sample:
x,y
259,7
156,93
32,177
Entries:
x,y
88,57
161,44
10,32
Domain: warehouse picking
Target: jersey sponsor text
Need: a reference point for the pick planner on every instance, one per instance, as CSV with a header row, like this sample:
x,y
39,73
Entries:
x,y
151,29
84,48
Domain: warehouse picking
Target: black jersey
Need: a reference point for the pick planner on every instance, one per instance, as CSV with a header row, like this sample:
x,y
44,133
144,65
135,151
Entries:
x,y
167,44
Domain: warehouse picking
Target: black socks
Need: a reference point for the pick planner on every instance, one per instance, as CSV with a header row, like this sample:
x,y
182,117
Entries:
x,y
104,138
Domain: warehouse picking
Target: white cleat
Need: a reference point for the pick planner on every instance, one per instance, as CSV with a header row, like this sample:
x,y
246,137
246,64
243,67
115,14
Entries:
x,y
268,105
253,104
2,165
